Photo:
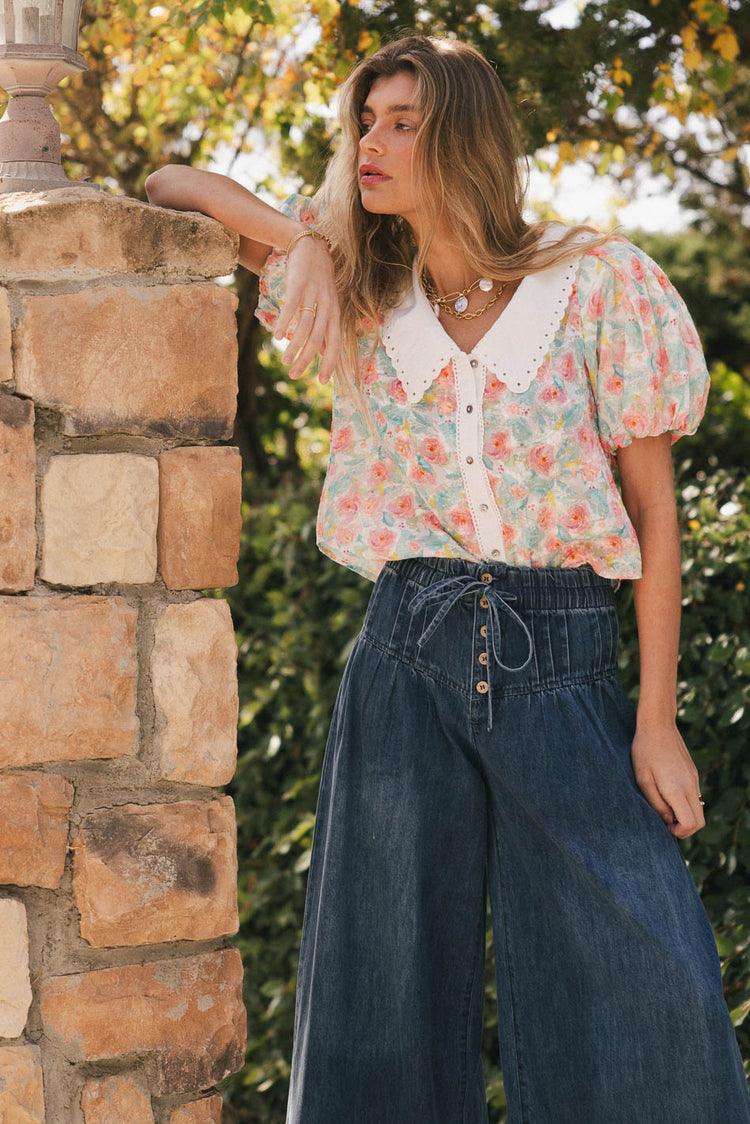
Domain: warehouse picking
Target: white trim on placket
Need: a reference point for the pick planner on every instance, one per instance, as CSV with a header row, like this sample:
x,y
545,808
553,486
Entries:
x,y
469,376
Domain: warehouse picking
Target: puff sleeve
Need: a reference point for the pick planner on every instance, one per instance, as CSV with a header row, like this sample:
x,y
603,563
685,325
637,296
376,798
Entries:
x,y
641,348
273,275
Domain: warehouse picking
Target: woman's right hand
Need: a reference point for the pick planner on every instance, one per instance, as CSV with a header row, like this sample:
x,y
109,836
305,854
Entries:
x,y
310,310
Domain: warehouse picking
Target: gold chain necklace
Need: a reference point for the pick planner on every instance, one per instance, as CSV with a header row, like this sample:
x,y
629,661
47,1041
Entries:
x,y
455,304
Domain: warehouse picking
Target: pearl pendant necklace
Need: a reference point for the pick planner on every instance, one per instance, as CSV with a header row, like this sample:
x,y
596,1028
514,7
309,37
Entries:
x,y
457,303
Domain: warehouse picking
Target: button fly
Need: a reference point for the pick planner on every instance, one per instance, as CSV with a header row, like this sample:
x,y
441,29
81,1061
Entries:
x,y
483,686
487,579
483,658
484,602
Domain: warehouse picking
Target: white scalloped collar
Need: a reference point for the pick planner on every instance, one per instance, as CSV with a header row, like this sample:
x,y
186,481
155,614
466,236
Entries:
x,y
513,349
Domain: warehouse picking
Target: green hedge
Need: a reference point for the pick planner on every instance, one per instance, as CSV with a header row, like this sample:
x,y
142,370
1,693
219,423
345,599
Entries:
x,y
296,614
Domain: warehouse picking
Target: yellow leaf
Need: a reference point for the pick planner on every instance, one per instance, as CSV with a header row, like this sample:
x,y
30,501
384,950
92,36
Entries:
x,y
566,153
366,39
327,10
689,36
704,9
238,22
692,60
726,44
730,154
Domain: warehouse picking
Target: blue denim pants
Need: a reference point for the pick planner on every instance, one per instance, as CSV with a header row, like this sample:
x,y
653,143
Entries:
x,y
481,741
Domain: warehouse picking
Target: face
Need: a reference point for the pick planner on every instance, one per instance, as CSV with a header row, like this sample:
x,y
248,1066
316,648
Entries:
x,y
389,122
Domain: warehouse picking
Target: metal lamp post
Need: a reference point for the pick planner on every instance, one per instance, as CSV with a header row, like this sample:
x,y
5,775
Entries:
x,y
38,47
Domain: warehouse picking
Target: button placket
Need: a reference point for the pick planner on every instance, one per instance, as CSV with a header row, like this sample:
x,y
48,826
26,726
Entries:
x,y
469,382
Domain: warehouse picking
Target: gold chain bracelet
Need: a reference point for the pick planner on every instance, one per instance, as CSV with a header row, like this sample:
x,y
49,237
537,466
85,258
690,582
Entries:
x,y
308,232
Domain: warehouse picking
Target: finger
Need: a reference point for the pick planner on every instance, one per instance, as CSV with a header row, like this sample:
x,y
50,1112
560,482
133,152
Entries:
x,y
286,314
311,346
331,348
298,339
648,787
685,814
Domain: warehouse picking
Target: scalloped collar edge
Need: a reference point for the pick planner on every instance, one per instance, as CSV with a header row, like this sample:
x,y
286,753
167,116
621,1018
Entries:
x,y
513,348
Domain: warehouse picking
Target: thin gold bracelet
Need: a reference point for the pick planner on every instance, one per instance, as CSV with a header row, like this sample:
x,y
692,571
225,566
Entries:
x,y
308,232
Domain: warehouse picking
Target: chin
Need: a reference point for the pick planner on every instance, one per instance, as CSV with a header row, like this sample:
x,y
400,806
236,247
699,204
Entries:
x,y
375,206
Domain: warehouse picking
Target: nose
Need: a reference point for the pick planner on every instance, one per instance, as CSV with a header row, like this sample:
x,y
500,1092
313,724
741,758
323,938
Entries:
x,y
370,141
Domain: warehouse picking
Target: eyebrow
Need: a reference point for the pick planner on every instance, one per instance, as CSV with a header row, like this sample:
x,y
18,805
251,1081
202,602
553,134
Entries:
x,y
390,109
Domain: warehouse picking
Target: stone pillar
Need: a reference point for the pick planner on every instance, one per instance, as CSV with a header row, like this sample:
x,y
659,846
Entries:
x,y
120,995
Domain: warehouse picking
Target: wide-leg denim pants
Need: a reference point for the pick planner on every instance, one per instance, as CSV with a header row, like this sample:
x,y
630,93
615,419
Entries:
x,y
481,740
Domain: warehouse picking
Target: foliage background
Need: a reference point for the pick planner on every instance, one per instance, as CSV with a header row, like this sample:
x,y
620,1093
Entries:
x,y
636,88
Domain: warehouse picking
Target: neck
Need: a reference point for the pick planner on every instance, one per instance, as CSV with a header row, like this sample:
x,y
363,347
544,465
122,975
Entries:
x,y
447,264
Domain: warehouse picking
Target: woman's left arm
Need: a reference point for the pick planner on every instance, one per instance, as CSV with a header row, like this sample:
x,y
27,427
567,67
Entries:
x,y
664,769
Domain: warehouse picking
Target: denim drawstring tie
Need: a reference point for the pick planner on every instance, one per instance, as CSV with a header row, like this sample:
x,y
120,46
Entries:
x,y
452,590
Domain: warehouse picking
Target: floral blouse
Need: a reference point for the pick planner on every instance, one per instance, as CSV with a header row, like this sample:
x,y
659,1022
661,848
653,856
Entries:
x,y
506,453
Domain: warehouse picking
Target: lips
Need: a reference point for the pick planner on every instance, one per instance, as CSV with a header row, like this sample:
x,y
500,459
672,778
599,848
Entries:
x,y
371,174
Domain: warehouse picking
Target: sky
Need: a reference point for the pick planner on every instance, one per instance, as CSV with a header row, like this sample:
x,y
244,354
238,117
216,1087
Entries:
x,y
577,194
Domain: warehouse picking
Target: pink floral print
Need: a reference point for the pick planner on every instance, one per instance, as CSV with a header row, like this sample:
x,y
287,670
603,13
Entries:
x,y
625,363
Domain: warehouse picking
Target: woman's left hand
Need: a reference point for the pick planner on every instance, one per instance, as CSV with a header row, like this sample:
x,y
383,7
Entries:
x,y
667,777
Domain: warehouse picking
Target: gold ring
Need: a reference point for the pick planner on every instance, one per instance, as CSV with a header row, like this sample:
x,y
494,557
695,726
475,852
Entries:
x,y
306,308
701,801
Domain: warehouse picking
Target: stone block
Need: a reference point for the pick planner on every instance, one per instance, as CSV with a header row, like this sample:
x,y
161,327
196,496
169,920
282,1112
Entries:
x,y
34,809
200,517
187,1013
115,1100
21,1085
157,872
151,359
100,513
17,494
205,1111
80,233
67,679
6,355
194,676
15,988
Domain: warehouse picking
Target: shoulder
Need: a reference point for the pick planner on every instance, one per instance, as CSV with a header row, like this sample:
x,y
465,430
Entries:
x,y
619,264
303,208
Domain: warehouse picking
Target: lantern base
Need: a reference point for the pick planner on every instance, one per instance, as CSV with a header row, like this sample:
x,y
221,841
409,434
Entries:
x,y
36,175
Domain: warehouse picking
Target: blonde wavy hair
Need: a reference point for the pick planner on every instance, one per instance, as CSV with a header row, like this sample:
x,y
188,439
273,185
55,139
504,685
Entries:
x,y
470,171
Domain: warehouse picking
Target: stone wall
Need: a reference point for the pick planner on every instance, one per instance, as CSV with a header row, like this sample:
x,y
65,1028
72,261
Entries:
x,y
120,995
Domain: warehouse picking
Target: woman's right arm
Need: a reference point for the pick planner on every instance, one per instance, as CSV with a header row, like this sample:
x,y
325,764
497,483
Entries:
x,y
310,276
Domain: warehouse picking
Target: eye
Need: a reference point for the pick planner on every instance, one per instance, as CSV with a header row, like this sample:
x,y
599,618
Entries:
x,y
364,127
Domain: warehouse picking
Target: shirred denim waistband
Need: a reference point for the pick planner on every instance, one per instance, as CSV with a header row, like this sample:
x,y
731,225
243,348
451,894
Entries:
x,y
543,587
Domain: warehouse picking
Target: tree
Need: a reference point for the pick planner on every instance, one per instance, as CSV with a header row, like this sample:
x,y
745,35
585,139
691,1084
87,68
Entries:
x,y
169,83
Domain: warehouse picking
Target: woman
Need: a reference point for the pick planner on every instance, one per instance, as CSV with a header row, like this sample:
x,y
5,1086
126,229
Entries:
x,y
488,376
